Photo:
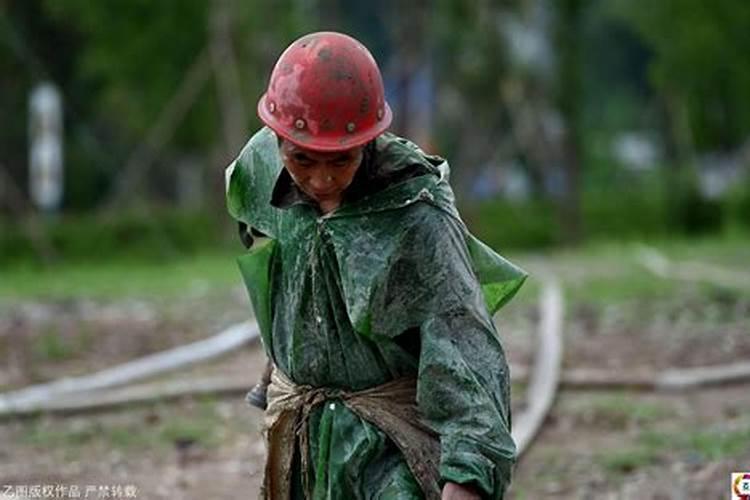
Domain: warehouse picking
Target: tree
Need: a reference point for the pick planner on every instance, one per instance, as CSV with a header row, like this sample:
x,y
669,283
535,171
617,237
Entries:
x,y
138,57
700,66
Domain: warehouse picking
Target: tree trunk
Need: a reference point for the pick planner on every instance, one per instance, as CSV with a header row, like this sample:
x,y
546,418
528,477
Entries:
x,y
569,21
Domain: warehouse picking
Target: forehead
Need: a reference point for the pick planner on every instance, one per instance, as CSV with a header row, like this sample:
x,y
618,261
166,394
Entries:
x,y
292,148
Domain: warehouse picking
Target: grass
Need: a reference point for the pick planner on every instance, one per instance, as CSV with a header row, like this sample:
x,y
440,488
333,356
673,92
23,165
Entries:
x,y
618,411
698,443
202,427
50,346
625,461
706,444
609,272
120,278
599,273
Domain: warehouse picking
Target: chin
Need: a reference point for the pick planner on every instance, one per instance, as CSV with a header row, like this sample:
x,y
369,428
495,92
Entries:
x,y
325,197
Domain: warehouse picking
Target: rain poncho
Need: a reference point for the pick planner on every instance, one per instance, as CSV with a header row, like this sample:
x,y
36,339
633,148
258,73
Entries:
x,y
389,285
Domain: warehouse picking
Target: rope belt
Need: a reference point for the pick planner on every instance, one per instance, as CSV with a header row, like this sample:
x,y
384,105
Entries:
x,y
391,407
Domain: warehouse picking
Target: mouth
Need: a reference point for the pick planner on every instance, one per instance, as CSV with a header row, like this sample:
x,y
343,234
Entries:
x,y
323,194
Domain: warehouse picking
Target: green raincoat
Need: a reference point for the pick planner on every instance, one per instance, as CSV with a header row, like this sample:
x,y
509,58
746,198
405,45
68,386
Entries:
x,y
390,284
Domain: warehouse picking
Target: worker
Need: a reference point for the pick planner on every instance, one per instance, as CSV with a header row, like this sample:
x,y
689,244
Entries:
x,y
374,302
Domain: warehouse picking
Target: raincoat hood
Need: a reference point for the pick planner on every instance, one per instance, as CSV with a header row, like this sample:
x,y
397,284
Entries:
x,y
251,179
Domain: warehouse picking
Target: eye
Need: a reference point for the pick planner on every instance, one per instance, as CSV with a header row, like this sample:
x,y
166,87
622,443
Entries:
x,y
341,161
302,159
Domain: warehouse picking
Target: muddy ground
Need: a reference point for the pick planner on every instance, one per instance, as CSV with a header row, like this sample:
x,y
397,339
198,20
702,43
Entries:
x,y
605,444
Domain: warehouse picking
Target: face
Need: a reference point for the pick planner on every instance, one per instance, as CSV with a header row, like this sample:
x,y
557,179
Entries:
x,y
321,175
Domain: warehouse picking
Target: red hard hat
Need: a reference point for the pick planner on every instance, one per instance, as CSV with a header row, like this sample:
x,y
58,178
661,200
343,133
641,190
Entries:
x,y
326,94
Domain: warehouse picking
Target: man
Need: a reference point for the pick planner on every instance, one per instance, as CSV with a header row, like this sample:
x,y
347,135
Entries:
x,y
373,300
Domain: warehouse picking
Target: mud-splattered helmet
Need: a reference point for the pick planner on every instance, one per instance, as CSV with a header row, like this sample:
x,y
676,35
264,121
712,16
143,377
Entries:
x,y
326,94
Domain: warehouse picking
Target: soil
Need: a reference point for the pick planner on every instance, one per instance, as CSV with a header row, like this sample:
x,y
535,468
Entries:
x,y
594,444
639,335
590,450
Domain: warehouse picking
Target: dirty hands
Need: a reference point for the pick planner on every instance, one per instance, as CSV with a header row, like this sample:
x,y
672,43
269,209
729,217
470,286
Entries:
x,y
454,491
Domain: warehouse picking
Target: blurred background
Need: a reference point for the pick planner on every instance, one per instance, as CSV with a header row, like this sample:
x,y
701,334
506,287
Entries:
x,y
602,142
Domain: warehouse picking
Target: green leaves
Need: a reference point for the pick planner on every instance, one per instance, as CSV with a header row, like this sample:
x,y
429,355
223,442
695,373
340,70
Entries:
x,y
700,56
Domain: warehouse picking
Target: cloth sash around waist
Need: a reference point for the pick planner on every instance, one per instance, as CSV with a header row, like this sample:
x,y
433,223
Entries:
x,y
391,407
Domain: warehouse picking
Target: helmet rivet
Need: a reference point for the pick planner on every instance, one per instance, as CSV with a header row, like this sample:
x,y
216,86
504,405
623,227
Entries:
x,y
272,107
299,123
380,114
350,127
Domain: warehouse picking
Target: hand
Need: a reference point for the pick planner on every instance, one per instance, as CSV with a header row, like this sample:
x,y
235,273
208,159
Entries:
x,y
455,491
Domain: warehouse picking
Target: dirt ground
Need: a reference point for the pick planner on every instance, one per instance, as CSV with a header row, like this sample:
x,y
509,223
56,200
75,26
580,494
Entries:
x,y
608,444
639,446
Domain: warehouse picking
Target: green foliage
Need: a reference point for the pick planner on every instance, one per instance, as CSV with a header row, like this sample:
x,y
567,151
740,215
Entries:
x,y
204,428
120,62
615,277
147,235
471,61
619,412
153,253
535,224
40,432
503,224
118,278
634,211
709,444
627,282
474,58
626,460
118,65
201,429
694,214
51,346
651,446
737,205
716,445
33,48
700,57
137,53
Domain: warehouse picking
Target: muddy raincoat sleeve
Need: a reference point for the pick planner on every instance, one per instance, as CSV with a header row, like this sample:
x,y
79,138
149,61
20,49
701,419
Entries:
x,y
463,381
249,182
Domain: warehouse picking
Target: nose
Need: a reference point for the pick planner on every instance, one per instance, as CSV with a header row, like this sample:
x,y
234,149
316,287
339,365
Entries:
x,y
321,181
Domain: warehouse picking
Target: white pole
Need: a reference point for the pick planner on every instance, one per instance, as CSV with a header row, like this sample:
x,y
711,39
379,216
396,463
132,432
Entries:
x,y
46,147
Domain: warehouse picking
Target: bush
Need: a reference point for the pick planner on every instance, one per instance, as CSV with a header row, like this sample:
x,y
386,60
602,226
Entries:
x,y
690,212
151,234
536,224
504,224
624,214
641,213
737,205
